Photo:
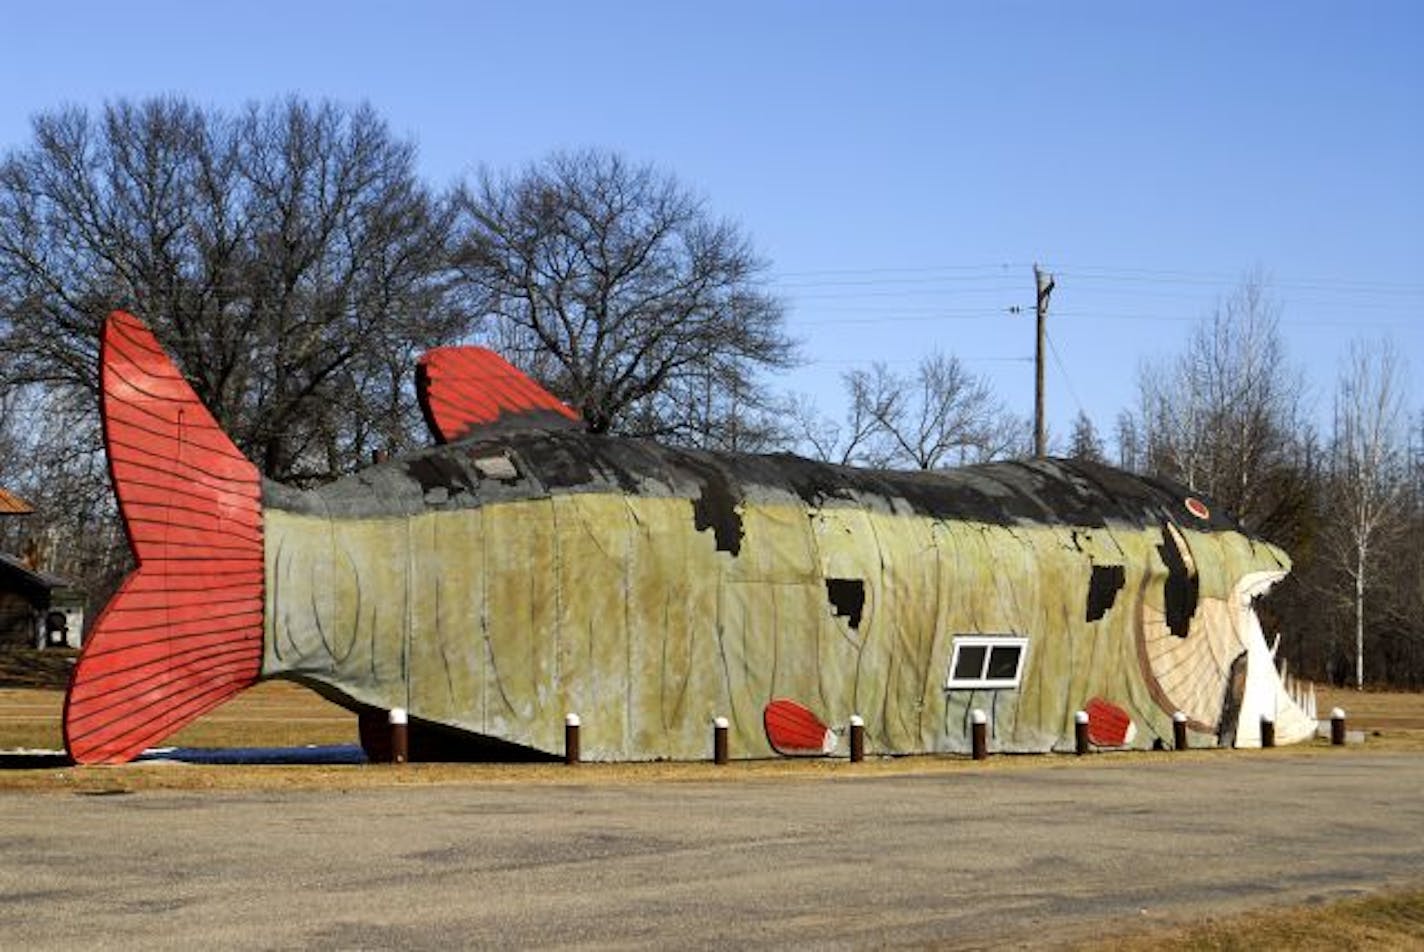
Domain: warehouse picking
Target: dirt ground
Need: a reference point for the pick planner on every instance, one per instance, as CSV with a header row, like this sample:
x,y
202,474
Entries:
x,y
280,713
283,714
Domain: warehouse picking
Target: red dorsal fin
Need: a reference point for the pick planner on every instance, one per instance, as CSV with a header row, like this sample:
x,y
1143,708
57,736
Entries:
x,y
463,388
793,731
184,632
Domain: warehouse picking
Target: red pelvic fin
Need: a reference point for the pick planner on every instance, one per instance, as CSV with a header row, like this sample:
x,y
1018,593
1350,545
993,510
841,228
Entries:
x,y
793,731
1108,724
463,388
184,632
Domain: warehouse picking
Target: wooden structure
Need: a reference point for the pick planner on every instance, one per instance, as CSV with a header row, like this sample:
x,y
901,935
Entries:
x,y
37,609
12,505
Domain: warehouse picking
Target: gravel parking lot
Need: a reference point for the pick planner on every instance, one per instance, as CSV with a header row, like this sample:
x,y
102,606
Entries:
x,y
1030,857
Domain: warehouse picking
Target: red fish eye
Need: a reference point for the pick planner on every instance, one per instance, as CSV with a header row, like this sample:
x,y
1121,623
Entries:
x,y
1198,508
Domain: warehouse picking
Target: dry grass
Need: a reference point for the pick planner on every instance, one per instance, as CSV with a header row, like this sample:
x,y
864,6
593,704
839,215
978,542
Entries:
x,y
1390,921
285,715
271,714
282,714
1383,711
30,668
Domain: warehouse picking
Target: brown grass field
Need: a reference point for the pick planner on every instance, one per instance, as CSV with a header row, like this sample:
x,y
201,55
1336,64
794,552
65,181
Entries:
x,y
280,714
1389,921
284,714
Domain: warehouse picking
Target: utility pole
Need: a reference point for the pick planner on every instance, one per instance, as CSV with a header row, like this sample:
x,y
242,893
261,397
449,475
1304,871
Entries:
x,y
1043,283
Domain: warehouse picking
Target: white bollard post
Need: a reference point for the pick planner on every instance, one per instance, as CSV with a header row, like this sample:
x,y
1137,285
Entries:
x,y
571,739
980,724
857,738
1179,731
400,736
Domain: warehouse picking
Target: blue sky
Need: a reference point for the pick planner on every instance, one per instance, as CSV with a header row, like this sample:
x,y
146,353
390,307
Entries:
x,y
902,165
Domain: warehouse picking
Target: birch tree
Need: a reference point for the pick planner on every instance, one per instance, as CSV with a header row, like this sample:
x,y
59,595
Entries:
x,y
1369,464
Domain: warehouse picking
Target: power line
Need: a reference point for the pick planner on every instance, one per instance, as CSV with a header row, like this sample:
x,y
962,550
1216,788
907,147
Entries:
x,y
1285,320
1002,269
1063,369
912,292
861,362
1295,295
870,282
1091,273
1165,276
968,314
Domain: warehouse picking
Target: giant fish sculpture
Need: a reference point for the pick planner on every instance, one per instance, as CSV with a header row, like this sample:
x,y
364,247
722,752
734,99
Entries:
x,y
524,569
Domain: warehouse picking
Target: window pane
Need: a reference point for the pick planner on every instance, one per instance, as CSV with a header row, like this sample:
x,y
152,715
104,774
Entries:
x,y
969,662
1003,662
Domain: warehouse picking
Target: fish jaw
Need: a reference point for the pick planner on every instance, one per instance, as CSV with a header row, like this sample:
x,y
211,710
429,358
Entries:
x,y
1265,695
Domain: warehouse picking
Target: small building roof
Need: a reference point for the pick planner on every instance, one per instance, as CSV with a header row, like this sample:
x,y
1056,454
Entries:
x,y
14,570
12,505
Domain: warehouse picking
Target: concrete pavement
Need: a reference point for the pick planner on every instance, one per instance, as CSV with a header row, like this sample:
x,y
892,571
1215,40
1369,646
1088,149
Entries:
x,y
961,859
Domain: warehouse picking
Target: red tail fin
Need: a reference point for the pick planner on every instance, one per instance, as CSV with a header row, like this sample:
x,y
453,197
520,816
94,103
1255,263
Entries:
x,y
461,388
184,632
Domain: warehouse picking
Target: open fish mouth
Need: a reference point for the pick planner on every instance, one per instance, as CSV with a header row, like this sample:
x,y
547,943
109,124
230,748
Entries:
x,y
1221,673
1269,693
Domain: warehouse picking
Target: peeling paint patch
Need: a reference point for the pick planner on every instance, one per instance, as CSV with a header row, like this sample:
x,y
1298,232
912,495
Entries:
x,y
497,466
715,507
1106,582
439,473
847,597
1181,585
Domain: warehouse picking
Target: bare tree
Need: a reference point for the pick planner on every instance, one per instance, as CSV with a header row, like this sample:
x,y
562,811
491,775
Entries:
x,y
57,464
841,442
10,427
699,411
1220,416
1084,443
613,284
1370,467
13,425
1129,442
288,256
940,415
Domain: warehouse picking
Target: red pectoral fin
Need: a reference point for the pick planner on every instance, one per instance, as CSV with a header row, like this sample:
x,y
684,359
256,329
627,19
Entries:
x,y
793,731
463,388
1108,724
184,632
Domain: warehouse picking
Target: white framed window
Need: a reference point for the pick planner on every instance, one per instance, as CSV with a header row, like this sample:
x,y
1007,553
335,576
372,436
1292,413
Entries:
x,y
986,662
